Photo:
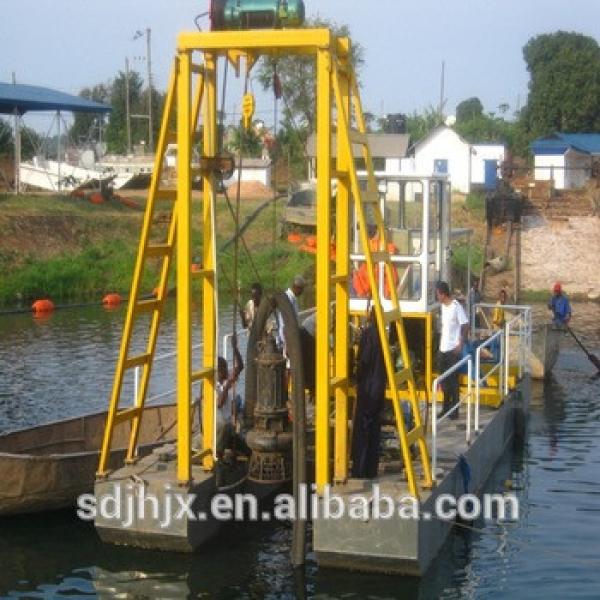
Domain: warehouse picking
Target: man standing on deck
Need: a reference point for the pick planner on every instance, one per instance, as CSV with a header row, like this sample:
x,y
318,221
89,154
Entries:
x,y
560,306
371,379
455,332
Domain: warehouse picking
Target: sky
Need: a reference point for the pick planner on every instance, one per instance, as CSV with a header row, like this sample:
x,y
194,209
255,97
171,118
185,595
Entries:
x,y
70,44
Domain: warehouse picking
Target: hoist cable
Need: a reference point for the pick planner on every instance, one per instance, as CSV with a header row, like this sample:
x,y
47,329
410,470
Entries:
x,y
276,89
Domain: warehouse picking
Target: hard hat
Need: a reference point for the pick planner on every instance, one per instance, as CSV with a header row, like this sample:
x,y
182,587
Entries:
x,y
557,287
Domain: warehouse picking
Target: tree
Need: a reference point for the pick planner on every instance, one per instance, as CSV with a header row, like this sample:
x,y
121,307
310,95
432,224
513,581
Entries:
x,y
84,124
6,139
420,125
565,84
297,75
31,142
116,132
469,109
246,142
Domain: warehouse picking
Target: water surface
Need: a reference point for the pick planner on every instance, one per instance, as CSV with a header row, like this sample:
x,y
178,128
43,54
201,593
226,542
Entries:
x,y
64,366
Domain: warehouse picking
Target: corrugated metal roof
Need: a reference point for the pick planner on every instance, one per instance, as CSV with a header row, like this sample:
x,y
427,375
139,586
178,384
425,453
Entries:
x,y
559,143
26,98
382,145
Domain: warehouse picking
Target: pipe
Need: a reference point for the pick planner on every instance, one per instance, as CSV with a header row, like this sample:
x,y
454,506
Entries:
x,y
281,303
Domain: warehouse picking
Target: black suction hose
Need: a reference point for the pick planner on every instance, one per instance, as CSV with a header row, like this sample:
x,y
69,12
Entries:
x,y
294,352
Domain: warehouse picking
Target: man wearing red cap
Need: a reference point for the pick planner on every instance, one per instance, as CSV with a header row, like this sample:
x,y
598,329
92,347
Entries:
x,y
560,306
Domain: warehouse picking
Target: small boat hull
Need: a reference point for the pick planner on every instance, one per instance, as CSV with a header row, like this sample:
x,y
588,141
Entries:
x,y
544,351
47,467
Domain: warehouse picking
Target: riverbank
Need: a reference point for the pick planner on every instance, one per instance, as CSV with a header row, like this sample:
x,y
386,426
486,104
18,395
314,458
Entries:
x,y
70,250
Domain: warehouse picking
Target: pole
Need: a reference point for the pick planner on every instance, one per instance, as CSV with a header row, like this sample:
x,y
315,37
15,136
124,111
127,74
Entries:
x,y
442,86
127,106
149,65
58,150
17,145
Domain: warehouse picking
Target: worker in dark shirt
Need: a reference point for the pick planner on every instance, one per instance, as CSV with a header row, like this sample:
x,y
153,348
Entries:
x,y
371,385
560,306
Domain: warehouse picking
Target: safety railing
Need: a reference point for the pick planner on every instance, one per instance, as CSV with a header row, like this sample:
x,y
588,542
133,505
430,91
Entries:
x,y
497,338
138,370
518,328
435,420
524,332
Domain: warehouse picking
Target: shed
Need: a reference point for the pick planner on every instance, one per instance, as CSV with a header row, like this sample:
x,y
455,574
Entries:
x,y
253,169
17,99
567,159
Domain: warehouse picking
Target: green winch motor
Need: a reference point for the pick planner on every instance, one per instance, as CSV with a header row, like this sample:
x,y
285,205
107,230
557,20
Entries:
x,y
227,15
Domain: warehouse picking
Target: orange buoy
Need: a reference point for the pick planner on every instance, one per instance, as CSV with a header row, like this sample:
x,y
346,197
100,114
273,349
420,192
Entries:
x,y
42,306
112,300
294,238
311,241
96,198
196,268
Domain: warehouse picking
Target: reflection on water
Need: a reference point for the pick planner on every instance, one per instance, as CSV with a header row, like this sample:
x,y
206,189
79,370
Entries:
x,y
64,366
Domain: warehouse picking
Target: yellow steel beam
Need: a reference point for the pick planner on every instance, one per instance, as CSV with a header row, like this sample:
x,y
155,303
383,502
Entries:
x,y
323,266
184,230
286,41
342,295
135,289
209,285
345,133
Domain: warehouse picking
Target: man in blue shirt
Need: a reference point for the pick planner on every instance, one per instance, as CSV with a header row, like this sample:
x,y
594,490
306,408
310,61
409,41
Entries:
x,y
560,306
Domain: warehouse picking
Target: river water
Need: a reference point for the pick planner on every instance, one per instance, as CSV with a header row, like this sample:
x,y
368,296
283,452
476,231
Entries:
x,y
63,367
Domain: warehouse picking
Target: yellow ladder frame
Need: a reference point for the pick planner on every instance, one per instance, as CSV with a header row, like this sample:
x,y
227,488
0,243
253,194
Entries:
x,y
179,94
347,98
334,77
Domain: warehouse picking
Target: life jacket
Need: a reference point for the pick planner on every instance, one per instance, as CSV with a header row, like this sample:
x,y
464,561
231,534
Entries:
x,y
360,277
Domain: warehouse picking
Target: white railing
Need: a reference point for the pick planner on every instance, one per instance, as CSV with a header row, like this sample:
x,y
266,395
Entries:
x,y
499,368
520,328
169,393
467,360
524,332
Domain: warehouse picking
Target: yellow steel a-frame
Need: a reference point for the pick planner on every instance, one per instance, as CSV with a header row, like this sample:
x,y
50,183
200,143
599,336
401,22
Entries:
x,y
336,86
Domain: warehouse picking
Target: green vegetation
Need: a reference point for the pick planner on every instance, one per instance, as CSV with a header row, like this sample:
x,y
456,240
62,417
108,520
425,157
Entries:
x,y
72,251
70,278
475,203
565,84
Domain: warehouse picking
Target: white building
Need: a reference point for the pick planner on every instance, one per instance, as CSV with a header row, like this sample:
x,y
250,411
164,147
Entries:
x,y
444,151
387,150
253,169
566,158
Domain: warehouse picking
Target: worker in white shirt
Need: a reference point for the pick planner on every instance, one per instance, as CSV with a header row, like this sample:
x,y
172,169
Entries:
x,y
454,334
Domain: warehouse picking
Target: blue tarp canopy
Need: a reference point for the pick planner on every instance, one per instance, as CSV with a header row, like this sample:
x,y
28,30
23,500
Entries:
x,y
26,98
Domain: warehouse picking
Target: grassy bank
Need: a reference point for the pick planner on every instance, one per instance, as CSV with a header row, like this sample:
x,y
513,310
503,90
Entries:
x,y
469,214
72,251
